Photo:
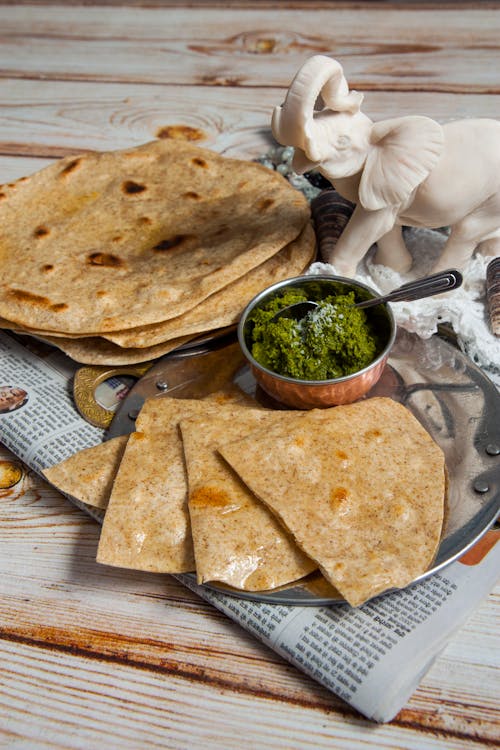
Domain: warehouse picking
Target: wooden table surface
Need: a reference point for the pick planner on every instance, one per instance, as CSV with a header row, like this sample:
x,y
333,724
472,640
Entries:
x,y
95,657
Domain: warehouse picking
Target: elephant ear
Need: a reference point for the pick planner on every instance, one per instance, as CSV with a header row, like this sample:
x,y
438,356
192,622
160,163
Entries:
x,y
403,152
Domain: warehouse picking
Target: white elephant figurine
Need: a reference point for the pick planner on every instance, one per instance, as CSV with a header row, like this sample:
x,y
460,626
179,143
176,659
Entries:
x,y
406,171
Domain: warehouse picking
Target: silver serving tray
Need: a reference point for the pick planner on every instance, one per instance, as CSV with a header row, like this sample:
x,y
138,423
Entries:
x,y
452,398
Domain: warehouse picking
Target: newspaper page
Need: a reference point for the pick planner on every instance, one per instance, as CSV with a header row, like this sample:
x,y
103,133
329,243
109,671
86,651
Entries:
x,y
373,656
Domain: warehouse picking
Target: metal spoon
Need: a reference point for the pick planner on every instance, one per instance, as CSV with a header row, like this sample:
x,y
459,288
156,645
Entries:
x,y
437,283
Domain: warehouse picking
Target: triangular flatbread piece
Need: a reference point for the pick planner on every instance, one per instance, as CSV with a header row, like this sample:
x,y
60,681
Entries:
x,y
147,526
361,488
89,474
237,540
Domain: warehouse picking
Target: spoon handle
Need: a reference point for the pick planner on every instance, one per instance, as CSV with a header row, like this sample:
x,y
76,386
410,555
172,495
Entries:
x,y
428,286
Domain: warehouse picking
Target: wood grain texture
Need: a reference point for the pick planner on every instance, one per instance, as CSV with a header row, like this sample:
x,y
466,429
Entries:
x,y
45,120
425,50
107,705
93,656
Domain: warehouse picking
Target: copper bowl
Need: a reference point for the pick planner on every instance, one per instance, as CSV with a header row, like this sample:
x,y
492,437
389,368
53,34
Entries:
x,y
310,394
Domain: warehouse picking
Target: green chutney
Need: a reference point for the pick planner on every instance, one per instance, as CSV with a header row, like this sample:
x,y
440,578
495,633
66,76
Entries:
x,y
331,341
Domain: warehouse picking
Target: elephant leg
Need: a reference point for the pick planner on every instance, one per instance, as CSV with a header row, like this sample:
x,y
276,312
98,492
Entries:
x,y
490,246
392,251
362,230
468,234
456,253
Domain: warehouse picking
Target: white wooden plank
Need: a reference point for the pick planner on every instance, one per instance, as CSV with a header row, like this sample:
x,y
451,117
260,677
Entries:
x,y
13,167
411,24
43,120
402,49
74,702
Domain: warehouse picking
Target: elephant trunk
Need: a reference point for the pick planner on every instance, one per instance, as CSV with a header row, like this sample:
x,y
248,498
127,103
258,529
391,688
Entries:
x,y
319,80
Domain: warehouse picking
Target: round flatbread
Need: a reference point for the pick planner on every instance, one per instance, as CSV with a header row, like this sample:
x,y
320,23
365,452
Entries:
x,y
97,351
113,240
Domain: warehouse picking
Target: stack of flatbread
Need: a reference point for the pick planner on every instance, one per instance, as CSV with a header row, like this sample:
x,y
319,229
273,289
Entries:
x,y
119,257
257,499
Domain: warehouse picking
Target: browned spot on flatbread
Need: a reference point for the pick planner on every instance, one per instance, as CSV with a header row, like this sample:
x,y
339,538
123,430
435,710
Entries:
x,y
266,203
2,196
47,268
338,496
105,259
181,132
70,167
130,187
373,434
209,497
192,195
341,454
144,220
199,162
171,242
41,231
21,295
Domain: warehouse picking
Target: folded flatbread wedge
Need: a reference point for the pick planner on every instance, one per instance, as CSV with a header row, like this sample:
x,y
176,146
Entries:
x,y
237,540
360,487
146,526
89,474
